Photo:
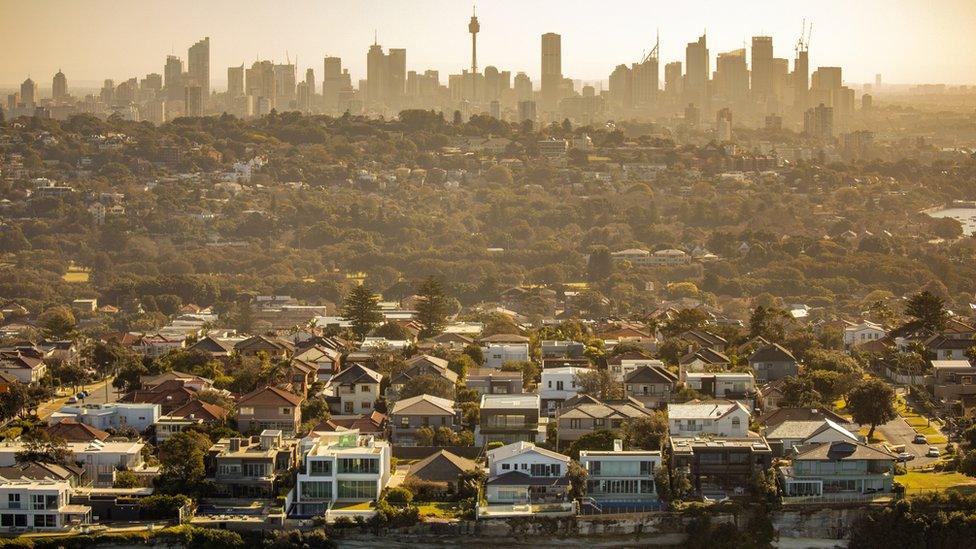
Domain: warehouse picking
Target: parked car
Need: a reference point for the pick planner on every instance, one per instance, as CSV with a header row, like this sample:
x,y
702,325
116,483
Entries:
x,y
73,400
933,452
80,395
905,456
920,439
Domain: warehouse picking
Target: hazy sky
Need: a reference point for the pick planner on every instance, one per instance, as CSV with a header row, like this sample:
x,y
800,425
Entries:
x,y
908,41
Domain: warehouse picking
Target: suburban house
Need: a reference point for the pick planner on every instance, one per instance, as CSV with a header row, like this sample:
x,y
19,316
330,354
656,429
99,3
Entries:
x,y
561,348
703,360
100,459
728,385
488,381
113,415
421,365
952,379
510,418
865,332
214,346
620,476
497,354
275,347
343,466
521,473
838,468
557,386
791,434
373,423
773,362
585,414
442,467
71,430
251,467
652,385
354,390
168,395
39,506
700,339
722,465
720,418
411,414
269,408
192,382
27,369
326,360
625,363
943,347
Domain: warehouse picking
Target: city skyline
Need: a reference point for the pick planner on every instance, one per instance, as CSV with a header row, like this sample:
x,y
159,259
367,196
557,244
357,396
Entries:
x,y
588,54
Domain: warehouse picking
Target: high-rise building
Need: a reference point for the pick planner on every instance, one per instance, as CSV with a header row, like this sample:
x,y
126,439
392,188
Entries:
x,y
193,99
260,84
173,78
622,87
151,85
801,78
552,72
762,67
59,87
334,81
697,69
673,80
310,82
723,125
523,87
527,111
396,66
286,79
781,80
107,93
28,93
646,80
235,81
877,82
731,83
198,67
376,74
818,122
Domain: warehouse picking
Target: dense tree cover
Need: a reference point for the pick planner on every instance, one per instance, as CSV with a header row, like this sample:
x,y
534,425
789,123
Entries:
x,y
785,235
944,520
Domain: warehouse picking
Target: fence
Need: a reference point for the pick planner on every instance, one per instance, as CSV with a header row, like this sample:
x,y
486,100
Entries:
x,y
837,498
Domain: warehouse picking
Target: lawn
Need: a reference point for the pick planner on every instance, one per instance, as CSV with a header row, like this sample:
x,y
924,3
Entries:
x,y
439,509
876,437
363,506
921,424
918,481
76,276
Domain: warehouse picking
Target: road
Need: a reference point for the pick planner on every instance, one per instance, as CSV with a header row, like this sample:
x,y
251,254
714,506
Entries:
x,y
898,431
101,392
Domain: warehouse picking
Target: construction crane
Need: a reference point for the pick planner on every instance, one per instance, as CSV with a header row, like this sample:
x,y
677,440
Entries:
x,y
655,51
803,44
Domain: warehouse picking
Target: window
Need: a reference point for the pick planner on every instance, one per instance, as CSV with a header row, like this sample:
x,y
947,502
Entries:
x,y
367,405
545,470
316,490
443,420
425,420
320,468
45,521
506,466
599,422
646,468
404,422
594,468
736,423
13,501
574,424
43,501
347,407
357,489
256,469
559,385
286,411
246,411
364,388
359,465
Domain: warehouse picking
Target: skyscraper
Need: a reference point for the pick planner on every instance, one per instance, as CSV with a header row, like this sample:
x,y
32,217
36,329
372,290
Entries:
x,y
552,72
375,75
235,81
334,81
28,93
762,67
731,77
59,87
818,122
697,69
673,80
801,78
523,87
310,82
622,87
173,78
198,66
396,66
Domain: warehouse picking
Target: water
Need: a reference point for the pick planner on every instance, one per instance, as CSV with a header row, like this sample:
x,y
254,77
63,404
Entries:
x,y
966,216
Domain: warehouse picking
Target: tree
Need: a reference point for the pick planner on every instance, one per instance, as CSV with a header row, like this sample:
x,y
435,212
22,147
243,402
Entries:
x,y
181,459
928,310
683,321
391,331
798,392
600,265
315,409
476,353
600,384
460,365
768,322
499,174
57,322
432,308
872,402
646,432
41,448
361,308
428,384
530,372
662,482
577,479
594,440
125,479
424,436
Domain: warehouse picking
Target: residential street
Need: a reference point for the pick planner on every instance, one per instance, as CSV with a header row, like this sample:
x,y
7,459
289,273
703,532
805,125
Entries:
x,y
898,431
101,392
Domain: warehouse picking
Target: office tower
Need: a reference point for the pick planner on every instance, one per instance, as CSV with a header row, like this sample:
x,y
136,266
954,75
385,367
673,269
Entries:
x,y
310,82
375,75
260,84
13,101
526,111
762,67
692,115
28,93
473,28
867,101
334,81
731,77
552,72
126,92
622,87
673,79
235,81
59,87
107,94
827,78
495,110
492,83
285,79
818,122
156,111
193,99
152,83
646,79
303,98
697,69
877,82
198,66
801,77
396,66
723,125
774,122
780,76
523,87
173,77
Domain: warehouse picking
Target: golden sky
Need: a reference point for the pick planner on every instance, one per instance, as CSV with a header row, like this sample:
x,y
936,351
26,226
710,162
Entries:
x,y
908,41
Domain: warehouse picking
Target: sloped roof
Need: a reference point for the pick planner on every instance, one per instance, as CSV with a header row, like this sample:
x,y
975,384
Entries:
x,y
773,352
71,430
843,451
706,355
354,373
650,374
519,448
779,415
202,410
271,396
442,466
696,409
423,405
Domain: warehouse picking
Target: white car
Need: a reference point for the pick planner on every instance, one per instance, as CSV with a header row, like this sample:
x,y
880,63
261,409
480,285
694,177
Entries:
x,y
933,452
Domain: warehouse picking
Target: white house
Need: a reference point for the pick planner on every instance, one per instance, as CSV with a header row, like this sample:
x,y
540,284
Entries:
x,y
497,354
718,417
722,384
628,365
522,472
39,505
557,386
99,459
792,433
619,475
113,415
340,466
862,333
357,387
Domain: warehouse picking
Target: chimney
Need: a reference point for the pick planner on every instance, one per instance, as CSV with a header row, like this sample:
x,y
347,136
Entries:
x,y
618,445
235,444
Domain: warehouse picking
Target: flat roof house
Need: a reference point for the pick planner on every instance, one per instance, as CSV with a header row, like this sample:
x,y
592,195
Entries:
x,y
340,466
251,467
621,476
510,418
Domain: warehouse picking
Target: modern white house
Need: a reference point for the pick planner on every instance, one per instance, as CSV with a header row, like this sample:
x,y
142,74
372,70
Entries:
x,y
731,385
357,388
719,417
522,473
39,505
628,365
557,386
99,459
497,354
863,333
139,416
341,466
620,475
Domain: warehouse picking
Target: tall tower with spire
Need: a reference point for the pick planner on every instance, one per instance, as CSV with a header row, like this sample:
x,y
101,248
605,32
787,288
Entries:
x,y
473,28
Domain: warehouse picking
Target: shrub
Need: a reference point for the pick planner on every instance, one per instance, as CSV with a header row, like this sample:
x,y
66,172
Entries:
x,y
399,495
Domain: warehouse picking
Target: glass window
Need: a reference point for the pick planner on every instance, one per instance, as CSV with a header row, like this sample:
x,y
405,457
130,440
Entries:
x,y
320,467
404,422
357,489
13,501
359,465
316,490
246,411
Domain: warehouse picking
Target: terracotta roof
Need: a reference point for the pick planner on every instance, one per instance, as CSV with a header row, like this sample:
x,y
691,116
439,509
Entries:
x,y
202,410
270,396
71,430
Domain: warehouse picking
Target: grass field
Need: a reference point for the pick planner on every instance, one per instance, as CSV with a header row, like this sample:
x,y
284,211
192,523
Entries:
x,y
76,276
364,506
921,424
919,482
438,509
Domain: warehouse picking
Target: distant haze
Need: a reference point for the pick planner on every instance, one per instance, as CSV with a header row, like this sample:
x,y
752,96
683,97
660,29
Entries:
x,y
907,41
